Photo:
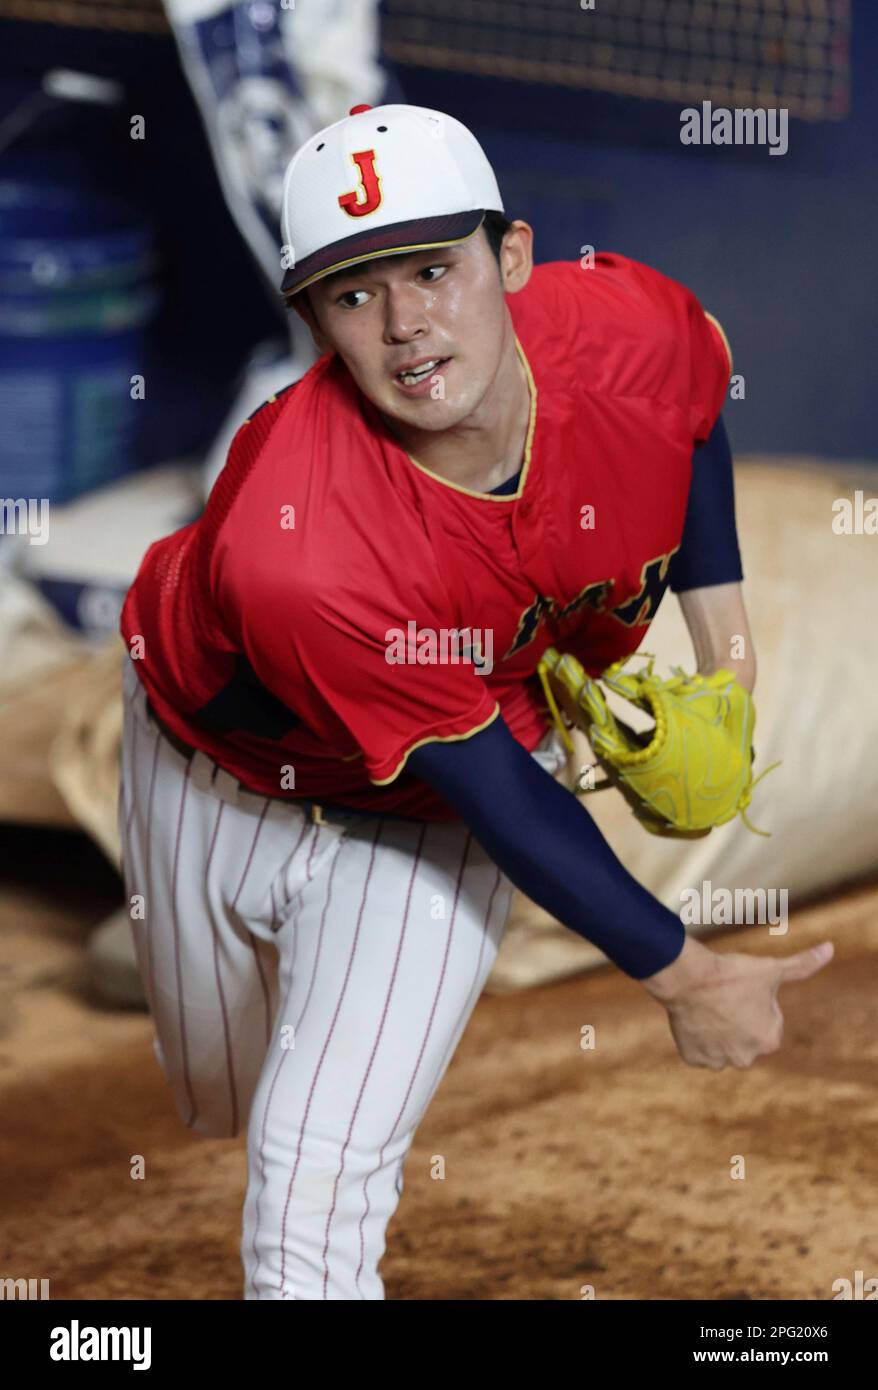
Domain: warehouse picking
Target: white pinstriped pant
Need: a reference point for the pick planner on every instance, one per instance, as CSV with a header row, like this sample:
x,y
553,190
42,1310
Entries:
x,y
309,982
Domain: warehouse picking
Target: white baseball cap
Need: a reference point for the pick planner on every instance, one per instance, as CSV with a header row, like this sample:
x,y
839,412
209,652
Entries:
x,y
383,180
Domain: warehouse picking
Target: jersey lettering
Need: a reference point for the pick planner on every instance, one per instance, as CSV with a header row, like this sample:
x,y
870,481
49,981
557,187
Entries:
x,y
642,606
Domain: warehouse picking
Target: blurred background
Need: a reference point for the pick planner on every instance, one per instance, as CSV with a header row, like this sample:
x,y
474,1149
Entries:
x,y
142,148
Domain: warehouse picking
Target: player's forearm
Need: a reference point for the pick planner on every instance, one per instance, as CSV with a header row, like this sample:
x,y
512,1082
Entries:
x,y
720,633
545,841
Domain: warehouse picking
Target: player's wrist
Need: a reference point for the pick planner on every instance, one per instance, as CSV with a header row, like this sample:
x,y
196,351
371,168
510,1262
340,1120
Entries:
x,y
693,966
718,659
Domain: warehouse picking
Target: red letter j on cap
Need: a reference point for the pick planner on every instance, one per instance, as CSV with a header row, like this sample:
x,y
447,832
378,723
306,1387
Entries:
x,y
366,197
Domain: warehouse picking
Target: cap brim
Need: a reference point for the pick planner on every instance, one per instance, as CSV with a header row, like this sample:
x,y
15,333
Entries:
x,y
420,234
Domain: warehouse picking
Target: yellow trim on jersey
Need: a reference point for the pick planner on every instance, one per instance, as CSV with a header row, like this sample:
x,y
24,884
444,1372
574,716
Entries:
x,y
375,255
531,425
722,333
450,738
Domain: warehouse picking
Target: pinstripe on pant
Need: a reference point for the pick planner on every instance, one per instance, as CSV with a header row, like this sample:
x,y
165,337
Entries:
x,y
307,982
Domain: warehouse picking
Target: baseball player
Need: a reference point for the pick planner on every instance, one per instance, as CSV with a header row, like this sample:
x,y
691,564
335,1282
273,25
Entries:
x,y
337,761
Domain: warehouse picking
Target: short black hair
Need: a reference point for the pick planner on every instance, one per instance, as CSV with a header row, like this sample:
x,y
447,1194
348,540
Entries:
x,y
495,225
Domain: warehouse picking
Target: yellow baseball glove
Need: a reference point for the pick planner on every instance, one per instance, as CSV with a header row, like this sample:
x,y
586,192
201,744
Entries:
x,y
692,771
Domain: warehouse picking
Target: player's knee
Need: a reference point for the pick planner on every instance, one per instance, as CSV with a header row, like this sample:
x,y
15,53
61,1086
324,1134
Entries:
x,y
213,1127
208,1110
207,1123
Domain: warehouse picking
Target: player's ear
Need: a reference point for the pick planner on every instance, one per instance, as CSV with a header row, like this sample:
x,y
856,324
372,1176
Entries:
x,y
302,305
516,256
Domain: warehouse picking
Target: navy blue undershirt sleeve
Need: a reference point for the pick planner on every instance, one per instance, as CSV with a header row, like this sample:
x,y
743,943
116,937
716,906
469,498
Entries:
x,y
542,837
709,552
537,832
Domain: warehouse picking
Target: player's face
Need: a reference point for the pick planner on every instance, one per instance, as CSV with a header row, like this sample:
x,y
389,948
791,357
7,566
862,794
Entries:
x,y
423,334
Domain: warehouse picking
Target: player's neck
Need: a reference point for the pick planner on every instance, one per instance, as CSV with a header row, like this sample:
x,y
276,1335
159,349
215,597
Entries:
x,y
486,448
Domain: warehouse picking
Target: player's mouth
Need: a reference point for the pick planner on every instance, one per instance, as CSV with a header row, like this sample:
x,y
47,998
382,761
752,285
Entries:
x,y
416,377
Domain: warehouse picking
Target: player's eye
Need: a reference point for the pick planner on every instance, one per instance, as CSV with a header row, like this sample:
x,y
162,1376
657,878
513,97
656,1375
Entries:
x,y
434,270
348,300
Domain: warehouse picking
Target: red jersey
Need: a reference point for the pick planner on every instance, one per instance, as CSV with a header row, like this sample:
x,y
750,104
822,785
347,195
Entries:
x,y
337,604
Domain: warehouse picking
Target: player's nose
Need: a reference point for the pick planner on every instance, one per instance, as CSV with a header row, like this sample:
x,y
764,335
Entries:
x,y
405,314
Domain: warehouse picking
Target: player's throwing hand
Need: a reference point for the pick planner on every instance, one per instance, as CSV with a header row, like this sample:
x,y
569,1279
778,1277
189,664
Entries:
x,y
723,1010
